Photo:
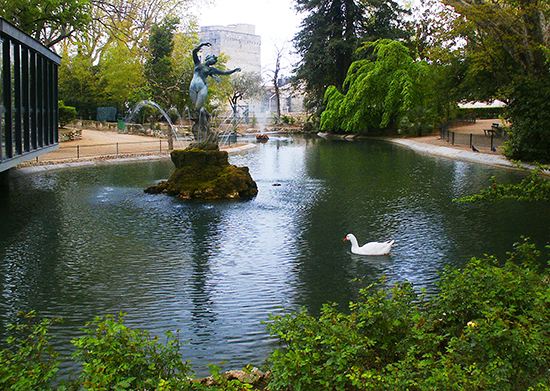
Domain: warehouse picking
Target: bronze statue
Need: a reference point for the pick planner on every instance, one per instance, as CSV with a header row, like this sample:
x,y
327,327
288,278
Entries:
x,y
199,87
198,91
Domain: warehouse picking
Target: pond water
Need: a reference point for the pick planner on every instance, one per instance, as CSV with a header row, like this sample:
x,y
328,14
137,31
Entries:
x,y
88,242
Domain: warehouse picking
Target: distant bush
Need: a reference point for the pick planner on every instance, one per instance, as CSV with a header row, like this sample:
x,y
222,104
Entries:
x,y
488,328
287,120
67,114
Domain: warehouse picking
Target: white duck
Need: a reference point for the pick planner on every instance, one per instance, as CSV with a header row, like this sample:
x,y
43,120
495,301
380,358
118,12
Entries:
x,y
372,248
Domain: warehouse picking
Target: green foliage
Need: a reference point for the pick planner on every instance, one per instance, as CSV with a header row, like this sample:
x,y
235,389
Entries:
x,y
331,32
113,356
122,75
287,120
220,382
117,357
487,328
48,21
66,114
326,44
106,65
506,56
380,92
495,320
30,362
533,188
529,113
159,68
80,85
331,352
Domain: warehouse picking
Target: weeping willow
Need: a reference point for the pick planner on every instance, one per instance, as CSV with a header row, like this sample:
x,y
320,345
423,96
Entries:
x,y
379,92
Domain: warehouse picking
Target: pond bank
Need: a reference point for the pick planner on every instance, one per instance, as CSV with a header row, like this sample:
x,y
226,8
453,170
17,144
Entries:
x,y
452,153
431,145
458,153
49,166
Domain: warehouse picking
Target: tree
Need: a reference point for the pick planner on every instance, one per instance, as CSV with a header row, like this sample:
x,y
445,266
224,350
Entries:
x,y
115,47
245,85
331,33
159,68
433,41
384,19
122,75
275,76
47,21
379,92
275,81
326,44
80,85
507,52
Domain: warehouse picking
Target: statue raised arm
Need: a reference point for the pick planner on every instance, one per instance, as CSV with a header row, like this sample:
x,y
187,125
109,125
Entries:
x,y
198,89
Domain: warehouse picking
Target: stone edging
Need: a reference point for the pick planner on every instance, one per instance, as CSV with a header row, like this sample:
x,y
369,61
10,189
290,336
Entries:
x,y
458,154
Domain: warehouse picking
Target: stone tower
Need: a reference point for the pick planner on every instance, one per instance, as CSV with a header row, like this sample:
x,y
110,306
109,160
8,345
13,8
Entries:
x,y
238,42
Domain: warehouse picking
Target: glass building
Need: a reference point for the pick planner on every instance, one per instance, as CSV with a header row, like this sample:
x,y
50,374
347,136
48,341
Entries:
x,y
28,97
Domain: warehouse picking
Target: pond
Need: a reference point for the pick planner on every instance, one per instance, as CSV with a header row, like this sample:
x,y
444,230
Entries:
x,y
89,242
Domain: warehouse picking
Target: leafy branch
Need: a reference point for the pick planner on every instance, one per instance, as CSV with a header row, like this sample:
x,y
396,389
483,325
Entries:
x,y
533,188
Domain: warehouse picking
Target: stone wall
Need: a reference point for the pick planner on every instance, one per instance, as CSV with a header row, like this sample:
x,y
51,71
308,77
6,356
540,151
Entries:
x,y
239,42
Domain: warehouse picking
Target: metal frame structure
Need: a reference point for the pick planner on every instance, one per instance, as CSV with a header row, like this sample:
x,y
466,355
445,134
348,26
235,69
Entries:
x,y
28,97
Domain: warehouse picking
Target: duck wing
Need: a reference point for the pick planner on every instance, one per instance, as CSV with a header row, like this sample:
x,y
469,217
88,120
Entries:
x,y
376,248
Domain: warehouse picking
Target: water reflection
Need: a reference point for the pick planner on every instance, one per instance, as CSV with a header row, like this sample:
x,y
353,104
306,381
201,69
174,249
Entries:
x,y
89,242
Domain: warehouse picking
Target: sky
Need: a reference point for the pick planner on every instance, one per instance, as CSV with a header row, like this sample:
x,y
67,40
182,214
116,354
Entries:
x,y
276,21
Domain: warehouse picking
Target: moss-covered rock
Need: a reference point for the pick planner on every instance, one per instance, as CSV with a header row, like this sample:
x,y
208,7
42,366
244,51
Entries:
x,y
206,175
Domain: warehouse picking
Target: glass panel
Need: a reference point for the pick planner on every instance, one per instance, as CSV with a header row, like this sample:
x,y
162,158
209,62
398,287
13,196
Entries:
x,y
25,98
16,99
14,96
2,110
32,102
39,101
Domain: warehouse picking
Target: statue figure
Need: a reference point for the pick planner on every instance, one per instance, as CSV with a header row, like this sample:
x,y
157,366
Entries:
x,y
198,91
199,87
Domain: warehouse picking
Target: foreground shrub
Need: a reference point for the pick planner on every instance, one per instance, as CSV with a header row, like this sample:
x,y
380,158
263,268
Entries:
x,y
30,362
488,328
117,357
113,357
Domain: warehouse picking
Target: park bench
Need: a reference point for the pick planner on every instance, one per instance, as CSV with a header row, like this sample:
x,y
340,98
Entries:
x,y
496,130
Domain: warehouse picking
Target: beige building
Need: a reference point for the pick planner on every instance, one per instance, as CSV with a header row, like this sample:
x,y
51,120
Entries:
x,y
238,42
